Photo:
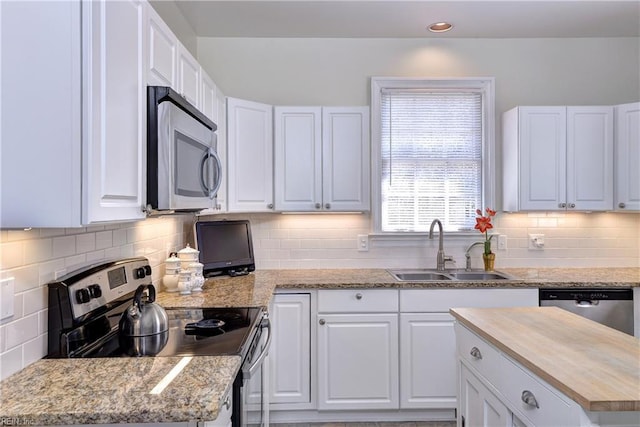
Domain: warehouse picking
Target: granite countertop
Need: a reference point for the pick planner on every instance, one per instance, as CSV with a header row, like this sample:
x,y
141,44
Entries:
x,y
596,366
71,391
256,289
116,390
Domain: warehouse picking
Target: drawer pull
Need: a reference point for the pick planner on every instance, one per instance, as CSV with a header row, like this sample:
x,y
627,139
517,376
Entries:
x,y
358,296
475,353
227,403
530,399
321,321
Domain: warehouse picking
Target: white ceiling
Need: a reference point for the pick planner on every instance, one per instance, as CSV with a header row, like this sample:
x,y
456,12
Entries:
x,y
397,18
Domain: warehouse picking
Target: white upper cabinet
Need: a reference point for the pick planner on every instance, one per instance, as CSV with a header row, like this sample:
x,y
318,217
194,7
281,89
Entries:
x,y
114,113
298,158
627,148
79,70
345,154
249,156
322,158
189,81
208,97
162,52
558,158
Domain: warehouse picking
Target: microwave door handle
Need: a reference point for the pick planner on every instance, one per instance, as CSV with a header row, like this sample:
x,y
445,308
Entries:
x,y
203,181
218,176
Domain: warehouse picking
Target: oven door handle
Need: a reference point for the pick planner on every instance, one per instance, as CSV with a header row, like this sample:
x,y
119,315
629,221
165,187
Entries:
x,y
264,324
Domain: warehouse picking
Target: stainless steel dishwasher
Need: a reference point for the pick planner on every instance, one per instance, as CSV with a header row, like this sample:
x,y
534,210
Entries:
x,y
609,306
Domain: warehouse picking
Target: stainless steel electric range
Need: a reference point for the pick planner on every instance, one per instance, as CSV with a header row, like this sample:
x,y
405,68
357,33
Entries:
x,y
85,308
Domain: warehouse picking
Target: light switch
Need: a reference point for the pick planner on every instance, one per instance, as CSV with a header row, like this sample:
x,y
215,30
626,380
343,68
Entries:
x,y
6,297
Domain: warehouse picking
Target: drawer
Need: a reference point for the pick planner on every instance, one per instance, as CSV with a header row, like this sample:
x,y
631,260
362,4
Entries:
x,y
552,409
441,300
478,353
357,300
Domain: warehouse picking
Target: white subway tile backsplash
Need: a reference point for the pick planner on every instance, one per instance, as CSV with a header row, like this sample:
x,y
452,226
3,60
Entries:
x,y
21,331
10,362
34,258
64,246
85,242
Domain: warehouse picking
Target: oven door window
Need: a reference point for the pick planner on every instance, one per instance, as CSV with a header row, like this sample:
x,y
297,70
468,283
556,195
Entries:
x,y
190,181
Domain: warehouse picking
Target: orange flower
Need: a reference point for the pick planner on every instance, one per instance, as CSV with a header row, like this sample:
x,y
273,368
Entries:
x,y
483,224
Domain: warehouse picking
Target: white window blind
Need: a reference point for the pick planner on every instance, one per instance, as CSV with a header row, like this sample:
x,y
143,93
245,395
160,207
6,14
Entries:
x,y
431,159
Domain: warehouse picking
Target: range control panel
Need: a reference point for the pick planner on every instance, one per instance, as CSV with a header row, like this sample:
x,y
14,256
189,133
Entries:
x,y
97,285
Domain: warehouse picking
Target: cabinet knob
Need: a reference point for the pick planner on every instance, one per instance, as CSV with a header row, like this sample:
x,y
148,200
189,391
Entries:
x,y
562,205
270,206
475,353
327,206
358,295
321,321
318,205
622,205
572,205
530,399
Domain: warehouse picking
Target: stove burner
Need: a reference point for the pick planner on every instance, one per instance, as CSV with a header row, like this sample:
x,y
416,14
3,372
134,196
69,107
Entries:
x,y
205,327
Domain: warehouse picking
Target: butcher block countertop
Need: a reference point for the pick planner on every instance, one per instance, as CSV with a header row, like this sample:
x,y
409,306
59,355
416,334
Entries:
x,y
116,390
596,366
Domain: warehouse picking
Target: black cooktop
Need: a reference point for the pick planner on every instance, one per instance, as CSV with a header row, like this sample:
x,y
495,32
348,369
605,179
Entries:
x,y
192,332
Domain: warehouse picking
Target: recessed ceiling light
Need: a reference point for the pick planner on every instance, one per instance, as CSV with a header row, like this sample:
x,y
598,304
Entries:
x,y
440,27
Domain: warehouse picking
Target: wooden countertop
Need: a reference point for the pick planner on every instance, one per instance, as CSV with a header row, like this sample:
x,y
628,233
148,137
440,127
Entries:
x,y
596,366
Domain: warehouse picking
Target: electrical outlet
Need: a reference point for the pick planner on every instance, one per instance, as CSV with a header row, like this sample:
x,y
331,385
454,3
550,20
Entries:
x,y
536,242
502,242
363,243
6,297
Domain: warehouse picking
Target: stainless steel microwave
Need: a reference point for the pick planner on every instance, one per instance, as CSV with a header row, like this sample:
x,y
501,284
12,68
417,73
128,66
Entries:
x,y
183,169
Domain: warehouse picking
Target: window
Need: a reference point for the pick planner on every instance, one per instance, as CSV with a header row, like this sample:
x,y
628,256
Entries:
x,y
432,152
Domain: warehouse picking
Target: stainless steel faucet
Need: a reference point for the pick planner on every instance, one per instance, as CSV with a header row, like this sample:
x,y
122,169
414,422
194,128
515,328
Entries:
x,y
442,258
468,255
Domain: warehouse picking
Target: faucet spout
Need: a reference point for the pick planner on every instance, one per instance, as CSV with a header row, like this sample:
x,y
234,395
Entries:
x,y
441,258
468,255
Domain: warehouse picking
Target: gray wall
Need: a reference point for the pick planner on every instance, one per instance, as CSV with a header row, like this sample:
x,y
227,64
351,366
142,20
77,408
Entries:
x,y
283,71
171,15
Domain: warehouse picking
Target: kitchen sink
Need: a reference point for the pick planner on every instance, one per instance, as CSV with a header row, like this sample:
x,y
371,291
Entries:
x,y
479,275
427,275
419,276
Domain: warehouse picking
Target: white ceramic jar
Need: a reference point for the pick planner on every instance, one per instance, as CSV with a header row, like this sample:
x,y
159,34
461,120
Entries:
x,y
188,255
197,280
184,283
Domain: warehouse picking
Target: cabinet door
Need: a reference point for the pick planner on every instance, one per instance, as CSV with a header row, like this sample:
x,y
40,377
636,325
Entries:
x,y
478,406
298,158
627,151
345,158
114,113
542,157
357,361
188,76
221,197
590,158
41,131
161,52
250,156
290,351
208,97
427,361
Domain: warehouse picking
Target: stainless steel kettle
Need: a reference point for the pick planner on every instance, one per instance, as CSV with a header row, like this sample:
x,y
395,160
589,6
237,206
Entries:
x,y
144,326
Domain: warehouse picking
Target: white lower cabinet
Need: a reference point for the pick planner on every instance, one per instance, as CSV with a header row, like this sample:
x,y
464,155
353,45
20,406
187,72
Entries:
x,y
224,416
495,390
290,351
357,349
427,361
478,406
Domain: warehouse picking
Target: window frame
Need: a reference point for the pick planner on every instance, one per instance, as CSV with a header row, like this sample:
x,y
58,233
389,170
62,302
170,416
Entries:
x,y
483,85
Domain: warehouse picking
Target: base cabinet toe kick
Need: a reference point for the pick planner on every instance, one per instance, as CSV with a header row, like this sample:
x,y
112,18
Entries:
x,y
495,390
